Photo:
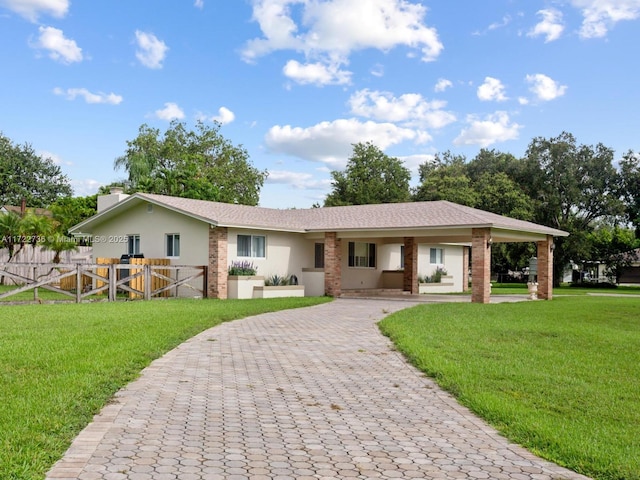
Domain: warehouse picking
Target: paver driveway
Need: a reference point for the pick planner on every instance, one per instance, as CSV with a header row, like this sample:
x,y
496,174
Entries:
x,y
309,393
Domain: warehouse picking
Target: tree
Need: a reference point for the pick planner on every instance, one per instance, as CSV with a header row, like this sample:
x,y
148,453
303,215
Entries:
x,y
630,188
445,178
198,164
615,247
26,175
11,232
571,186
70,211
370,177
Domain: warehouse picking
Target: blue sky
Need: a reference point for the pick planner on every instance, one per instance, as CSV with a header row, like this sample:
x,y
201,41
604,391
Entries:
x,y
297,82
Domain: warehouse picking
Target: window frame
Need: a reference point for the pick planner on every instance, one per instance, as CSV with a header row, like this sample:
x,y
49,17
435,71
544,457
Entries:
x,y
433,255
318,253
362,261
174,238
133,244
254,246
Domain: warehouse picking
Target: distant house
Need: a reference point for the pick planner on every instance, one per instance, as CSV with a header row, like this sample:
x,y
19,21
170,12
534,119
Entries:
x,y
331,250
631,276
22,210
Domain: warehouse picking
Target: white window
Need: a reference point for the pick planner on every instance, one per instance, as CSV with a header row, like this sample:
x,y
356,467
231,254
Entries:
x,y
133,244
362,254
173,244
436,256
251,246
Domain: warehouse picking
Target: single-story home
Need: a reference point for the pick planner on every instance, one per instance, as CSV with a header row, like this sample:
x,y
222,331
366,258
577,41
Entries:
x,y
331,250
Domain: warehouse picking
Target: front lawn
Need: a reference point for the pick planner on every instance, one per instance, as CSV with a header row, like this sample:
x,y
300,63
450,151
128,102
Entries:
x,y
560,378
59,364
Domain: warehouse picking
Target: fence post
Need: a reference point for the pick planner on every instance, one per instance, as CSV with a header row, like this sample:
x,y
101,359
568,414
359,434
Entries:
x,y
35,279
78,283
113,277
147,281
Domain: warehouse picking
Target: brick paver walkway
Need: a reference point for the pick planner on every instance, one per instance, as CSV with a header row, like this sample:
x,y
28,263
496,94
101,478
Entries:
x,y
301,394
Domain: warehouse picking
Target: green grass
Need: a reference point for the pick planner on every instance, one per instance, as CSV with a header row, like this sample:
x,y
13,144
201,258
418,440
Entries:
x,y
521,289
59,364
560,378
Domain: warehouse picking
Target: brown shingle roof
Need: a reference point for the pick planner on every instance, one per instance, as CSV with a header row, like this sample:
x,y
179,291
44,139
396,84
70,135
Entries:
x,y
412,215
388,216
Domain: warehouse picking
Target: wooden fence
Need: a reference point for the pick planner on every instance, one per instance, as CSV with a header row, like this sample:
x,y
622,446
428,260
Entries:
x,y
142,280
26,257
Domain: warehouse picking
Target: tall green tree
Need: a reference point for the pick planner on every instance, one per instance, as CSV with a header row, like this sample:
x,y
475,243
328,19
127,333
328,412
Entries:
x,y
445,178
615,247
571,186
371,176
198,163
27,175
11,233
630,188
70,211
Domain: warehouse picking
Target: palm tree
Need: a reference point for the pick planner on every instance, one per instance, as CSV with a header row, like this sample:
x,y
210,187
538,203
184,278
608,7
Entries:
x,y
36,229
12,232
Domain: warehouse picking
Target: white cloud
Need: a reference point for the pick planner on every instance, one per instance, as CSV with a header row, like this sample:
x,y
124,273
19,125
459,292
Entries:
x,y
53,157
316,73
602,15
199,4
32,9
171,111
494,128
89,97
551,26
329,31
224,116
413,162
506,20
298,180
85,187
151,51
60,48
331,142
410,108
491,89
442,84
377,70
544,87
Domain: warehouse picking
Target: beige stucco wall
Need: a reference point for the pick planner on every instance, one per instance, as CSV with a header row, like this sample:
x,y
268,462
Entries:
x,y
285,253
453,262
389,259
152,224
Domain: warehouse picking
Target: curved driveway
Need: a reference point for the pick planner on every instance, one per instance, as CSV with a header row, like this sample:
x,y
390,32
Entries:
x,y
300,394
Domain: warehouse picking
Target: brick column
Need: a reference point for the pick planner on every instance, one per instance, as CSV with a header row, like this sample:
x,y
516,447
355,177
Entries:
x,y
332,264
217,273
410,278
481,265
465,269
545,269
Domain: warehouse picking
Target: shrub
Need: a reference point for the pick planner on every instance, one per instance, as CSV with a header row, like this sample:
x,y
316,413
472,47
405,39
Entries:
x,y
437,275
280,280
435,278
242,268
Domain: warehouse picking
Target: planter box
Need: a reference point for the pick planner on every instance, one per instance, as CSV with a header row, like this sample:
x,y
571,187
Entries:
x,y
445,286
240,286
279,291
313,280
